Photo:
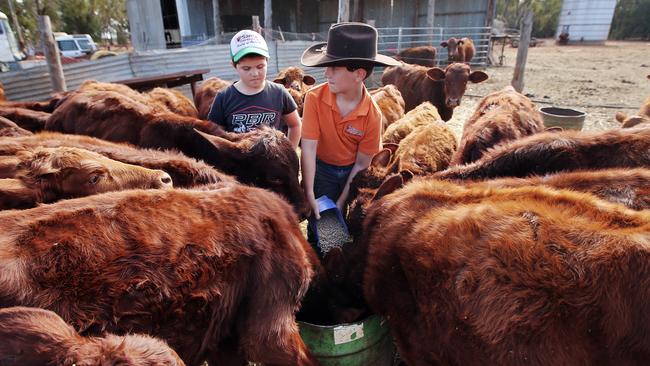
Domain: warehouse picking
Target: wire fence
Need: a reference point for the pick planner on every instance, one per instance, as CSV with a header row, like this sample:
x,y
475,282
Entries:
x,y
390,42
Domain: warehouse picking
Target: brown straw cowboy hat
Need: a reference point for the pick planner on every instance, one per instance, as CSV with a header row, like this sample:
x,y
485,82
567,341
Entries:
x,y
347,42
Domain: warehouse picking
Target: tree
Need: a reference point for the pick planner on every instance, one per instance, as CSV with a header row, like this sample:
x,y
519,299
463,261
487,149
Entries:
x,y
80,16
631,20
546,14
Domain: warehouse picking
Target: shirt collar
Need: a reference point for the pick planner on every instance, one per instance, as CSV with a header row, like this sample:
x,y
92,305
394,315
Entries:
x,y
361,110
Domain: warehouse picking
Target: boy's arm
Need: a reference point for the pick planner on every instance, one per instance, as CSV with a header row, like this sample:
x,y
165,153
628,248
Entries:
x,y
308,162
362,162
294,128
309,148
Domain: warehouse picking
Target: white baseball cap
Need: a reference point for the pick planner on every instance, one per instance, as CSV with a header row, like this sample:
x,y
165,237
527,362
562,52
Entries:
x,y
246,42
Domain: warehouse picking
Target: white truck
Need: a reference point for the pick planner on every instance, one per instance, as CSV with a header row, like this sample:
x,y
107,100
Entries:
x,y
9,49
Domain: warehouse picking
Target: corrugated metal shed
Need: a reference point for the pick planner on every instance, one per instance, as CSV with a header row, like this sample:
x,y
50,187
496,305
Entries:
x,y
455,13
587,20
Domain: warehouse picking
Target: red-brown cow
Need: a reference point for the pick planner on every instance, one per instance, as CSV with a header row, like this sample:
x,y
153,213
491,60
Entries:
x,y
549,152
422,55
217,274
390,102
295,78
10,129
46,175
205,94
472,276
264,157
297,83
174,100
32,336
27,119
185,172
501,116
443,88
459,50
630,187
47,106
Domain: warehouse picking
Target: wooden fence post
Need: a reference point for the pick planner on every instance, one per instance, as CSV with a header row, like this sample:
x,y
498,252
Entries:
x,y
522,51
51,54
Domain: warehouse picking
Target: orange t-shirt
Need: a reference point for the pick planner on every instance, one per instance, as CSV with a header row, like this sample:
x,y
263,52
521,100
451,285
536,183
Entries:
x,y
340,139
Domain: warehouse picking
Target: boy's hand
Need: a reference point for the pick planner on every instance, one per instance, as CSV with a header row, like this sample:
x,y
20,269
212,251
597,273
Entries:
x,y
314,205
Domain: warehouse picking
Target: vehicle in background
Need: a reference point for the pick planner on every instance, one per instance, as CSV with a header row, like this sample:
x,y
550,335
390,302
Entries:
x,y
86,43
69,47
9,49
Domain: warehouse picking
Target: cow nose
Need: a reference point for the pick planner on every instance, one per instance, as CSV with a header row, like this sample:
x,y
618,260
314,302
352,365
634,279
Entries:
x,y
453,102
166,180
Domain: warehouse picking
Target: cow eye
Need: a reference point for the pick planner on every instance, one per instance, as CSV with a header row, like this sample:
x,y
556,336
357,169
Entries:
x,y
94,179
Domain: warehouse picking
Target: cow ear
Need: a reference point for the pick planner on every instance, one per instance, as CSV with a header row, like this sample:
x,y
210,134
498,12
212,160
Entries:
x,y
389,185
391,146
381,159
478,76
620,117
436,74
279,81
443,44
308,79
221,144
460,43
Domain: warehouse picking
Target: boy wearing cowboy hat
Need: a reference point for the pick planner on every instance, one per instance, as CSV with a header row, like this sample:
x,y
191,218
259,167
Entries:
x,y
341,123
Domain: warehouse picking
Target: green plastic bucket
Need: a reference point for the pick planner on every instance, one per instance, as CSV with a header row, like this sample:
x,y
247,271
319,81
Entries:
x,y
356,344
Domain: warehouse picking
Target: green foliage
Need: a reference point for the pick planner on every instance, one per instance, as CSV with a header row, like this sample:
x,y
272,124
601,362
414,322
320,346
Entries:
x,y
546,14
631,20
71,16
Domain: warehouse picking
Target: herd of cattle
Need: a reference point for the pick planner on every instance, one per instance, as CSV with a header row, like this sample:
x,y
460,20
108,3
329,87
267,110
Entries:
x,y
135,232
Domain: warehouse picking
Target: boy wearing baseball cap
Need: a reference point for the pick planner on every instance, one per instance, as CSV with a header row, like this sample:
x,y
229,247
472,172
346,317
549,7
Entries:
x,y
341,122
252,101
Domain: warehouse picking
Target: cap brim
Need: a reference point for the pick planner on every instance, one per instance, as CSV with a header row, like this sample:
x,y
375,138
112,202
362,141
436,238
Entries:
x,y
316,56
249,50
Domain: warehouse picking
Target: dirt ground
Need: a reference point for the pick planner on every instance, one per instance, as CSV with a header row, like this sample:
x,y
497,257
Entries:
x,y
599,80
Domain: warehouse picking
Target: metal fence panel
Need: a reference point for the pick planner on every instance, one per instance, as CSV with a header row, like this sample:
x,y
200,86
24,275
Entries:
x,y
34,83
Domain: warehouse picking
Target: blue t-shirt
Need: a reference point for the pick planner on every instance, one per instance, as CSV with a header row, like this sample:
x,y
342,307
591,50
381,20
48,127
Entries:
x,y
238,112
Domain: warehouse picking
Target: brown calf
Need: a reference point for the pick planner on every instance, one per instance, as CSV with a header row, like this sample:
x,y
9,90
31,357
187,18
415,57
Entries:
x,y
295,78
217,274
549,152
426,150
501,116
459,50
297,83
442,88
390,102
421,115
506,276
32,336
630,187
27,119
263,157
174,100
10,129
185,172
205,94
422,55
47,106
65,172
